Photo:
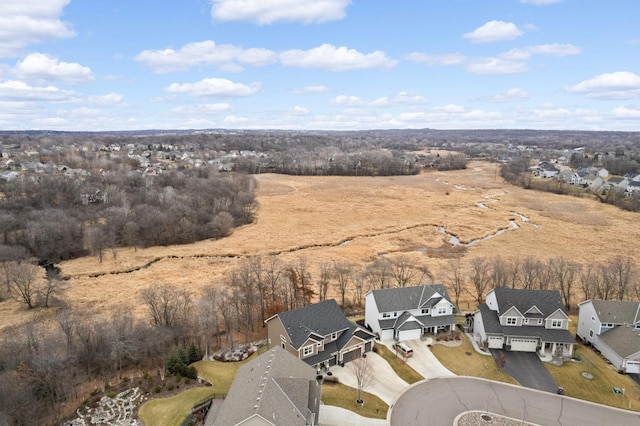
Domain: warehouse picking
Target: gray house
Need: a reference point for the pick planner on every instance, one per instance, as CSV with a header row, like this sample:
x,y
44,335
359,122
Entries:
x,y
613,328
406,313
276,388
319,334
524,320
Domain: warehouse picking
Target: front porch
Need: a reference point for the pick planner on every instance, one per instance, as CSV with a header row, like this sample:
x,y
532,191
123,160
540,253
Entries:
x,y
555,351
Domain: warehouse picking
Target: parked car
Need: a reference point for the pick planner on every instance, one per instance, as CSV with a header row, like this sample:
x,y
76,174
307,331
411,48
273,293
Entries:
x,y
403,349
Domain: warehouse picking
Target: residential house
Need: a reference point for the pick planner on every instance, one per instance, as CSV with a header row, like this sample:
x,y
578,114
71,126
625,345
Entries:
x,y
276,388
616,183
613,328
593,182
524,320
406,313
632,188
546,170
578,177
319,334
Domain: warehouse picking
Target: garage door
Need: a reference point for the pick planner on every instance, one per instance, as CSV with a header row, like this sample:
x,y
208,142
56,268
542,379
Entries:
x,y
495,342
524,345
351,355
409,334
633,366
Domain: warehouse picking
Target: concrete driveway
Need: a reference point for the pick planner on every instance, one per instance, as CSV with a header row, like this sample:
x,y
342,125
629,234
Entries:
x,y
527,369
336,416
385,383
440,401
423,361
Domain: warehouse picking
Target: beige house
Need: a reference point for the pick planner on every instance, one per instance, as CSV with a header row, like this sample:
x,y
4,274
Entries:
x,y
319,334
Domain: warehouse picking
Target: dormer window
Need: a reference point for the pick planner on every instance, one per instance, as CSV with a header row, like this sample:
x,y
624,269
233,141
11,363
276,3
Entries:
x,y
425,310
386,315
512,320
334,336
556,323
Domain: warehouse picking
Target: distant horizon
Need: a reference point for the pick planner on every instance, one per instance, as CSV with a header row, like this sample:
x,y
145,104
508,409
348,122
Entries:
x,y
320,65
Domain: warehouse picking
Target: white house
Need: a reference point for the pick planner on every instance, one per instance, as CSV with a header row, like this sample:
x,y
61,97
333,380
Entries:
x,y
405,313
524,320
613,328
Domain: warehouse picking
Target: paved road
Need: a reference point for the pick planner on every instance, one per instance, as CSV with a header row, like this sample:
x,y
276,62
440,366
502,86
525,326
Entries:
x,y
439,401
527,369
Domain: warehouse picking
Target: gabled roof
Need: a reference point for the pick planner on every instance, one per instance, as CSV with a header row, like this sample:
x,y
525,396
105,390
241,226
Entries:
x,y
616,311
406,298
320,319
547,301
276,386
622,339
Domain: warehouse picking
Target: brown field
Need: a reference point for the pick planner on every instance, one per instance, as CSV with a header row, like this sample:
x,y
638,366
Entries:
x,y
356,219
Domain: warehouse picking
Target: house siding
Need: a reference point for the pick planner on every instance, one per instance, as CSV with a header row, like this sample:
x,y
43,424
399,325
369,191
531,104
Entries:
x,y
276,329
371,314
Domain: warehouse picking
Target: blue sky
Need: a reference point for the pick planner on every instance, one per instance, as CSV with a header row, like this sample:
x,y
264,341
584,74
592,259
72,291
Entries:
x,y
319,64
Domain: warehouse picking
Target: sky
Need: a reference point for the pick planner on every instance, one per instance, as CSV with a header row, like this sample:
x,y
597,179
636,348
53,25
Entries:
x,y
81,65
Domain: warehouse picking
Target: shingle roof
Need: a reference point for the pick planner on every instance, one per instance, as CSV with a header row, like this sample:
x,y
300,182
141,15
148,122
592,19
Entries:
x,y
276,386
490,320
616,311
406,298
622,339
321,318
547,301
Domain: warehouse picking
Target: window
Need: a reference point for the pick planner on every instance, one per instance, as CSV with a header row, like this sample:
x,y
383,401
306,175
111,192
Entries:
x,y
386,315
307,350
539,321
526,320
442,310
556,323
593,318
319,346
334,336
590,333
511,320
425,310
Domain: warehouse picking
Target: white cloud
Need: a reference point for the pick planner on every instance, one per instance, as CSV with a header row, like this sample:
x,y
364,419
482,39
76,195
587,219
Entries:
x,y
27,22
265,12
343,100
234,119
555,49
494,31
41,67
626,113
20,91
314,88
540,2
298,110
617,85
439,59
204,53
202,109
402,98
331,58
497,66
214,87
512,95
110,99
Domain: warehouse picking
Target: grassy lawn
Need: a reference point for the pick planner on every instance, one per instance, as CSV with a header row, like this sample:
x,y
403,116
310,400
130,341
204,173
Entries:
x,y
463,360
172,411
343,396
598,389
402,369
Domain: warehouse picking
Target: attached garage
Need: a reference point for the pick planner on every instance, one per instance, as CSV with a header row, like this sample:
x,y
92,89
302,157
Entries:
x,y
633,367
404,335
524,345
495,342
351,355
386,334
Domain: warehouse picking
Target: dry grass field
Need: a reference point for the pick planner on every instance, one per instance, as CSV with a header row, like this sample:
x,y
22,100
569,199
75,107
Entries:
x,y
356,219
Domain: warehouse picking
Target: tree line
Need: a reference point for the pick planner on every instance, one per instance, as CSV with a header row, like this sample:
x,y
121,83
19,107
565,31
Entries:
x,y
56,217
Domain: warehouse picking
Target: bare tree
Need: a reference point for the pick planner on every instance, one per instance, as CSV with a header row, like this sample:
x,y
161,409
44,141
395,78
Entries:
x,y
454,275
499,273
404,271
208,316
24,277
359,286
589,281
564,273
273,272
342,275
168,305
529,272
67,322
480,278
362,371
51,288
623,273
324,279
379,273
